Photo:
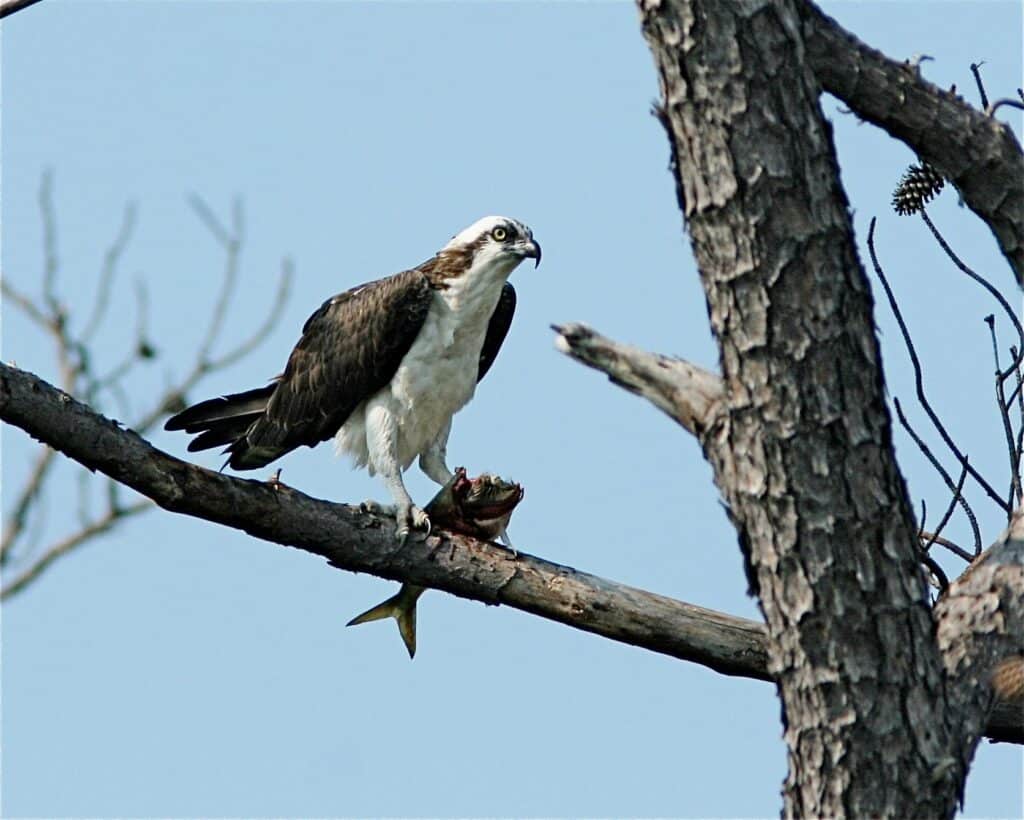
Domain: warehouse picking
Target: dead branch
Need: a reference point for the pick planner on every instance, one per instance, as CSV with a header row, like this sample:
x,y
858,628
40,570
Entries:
x,y
82,376
104,524
689,394
919,380
978,154
363,542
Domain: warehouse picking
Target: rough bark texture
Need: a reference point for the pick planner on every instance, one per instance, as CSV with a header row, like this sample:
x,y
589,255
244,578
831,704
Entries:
x,y
689,394
805,459
362,542
979,154
980,622
981,625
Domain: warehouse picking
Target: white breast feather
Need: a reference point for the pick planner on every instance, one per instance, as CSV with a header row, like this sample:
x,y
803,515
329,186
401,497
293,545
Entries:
x,y
438,375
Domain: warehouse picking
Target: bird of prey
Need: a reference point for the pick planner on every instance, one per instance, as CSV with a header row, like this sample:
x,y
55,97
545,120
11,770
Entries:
x,y
382,368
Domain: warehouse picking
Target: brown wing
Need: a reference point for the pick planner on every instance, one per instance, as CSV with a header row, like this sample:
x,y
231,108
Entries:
x,y
497,329
350,348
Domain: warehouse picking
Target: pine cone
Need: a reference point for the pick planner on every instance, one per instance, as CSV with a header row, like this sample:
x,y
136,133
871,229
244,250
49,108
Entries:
x,y
919,185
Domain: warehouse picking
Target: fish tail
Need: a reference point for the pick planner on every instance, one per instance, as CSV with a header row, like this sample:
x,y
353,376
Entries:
x,y
401,607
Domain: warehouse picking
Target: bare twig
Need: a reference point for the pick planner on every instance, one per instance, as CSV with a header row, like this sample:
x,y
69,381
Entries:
x,y
919,383
694,397
174,396
981,280
28,496
952,546
79,376
976,71
1005,101
98,527
956,499
1014,498
1018,450
936,570
110,260
363,542
246,346
957,495
141,351
27,306
231,243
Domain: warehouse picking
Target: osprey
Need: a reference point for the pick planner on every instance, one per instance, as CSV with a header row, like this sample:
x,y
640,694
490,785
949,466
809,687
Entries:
x,y
382,368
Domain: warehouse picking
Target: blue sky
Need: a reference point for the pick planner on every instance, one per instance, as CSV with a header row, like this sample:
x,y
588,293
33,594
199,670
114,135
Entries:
x,y
178,669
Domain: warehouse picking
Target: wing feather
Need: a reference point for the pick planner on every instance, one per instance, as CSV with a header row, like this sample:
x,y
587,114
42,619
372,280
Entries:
x,y
497,329
349,349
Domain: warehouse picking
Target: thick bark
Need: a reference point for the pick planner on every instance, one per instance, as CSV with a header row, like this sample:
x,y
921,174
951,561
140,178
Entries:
x,y
805,458
976,152
980,621
362,542
356,541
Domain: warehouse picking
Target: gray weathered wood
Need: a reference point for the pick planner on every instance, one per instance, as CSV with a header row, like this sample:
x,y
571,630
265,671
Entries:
x,y
979,154
805,459
361,542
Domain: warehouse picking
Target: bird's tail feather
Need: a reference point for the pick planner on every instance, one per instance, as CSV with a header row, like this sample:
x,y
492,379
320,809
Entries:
x,y
207,414
222,420
401,607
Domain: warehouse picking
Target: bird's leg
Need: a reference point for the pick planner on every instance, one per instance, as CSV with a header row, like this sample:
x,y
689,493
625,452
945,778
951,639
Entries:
x,y
503,537
433,460
382,444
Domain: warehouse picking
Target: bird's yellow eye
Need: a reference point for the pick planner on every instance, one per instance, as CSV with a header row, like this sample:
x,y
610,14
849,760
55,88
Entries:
x,y
499,234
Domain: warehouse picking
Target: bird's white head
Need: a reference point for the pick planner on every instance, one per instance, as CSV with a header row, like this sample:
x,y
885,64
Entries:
x,y
495,242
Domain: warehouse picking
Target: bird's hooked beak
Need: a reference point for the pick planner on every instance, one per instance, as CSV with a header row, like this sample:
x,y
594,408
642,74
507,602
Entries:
x,y
531,248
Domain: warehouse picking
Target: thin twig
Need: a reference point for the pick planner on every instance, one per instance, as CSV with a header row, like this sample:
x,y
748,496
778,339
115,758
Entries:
x,y
919,384
83,497
231,244
174,396
957,496
26,305
110,260
981,280
57,317
98,527
936,570
260,333
50,262
28,496
1014,498
79,376
1018,451
141,350
975,70
1005,101
950,545
926,450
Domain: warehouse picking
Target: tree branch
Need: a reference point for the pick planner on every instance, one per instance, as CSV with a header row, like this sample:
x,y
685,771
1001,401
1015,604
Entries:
x,y
689,394
362,542
978,154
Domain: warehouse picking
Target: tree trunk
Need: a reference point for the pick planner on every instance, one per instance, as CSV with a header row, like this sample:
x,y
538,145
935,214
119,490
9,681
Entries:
x,y
804,457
